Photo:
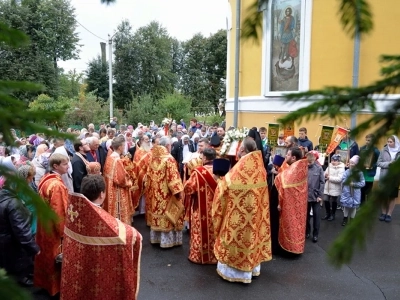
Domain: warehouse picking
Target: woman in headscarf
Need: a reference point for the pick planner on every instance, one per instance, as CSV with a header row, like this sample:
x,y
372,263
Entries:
x,y
26,154
8,163
40,162
389,154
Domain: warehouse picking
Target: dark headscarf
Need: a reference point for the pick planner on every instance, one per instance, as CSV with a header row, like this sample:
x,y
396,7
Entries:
x,y
253,133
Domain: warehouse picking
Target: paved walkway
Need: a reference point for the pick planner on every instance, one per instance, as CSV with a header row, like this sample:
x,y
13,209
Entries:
x,y
373,274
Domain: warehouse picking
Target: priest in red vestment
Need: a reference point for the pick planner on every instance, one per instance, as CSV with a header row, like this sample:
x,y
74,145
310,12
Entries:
x,y
141,162
292,187
240,213
118,184
164,188
101,255
47,274
201,187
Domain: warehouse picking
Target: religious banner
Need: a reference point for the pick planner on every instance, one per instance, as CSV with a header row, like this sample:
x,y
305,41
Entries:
x,y
326,136
339,135
273,132
288,130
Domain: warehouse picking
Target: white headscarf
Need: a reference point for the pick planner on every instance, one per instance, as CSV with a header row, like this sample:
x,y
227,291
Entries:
x,y
393,151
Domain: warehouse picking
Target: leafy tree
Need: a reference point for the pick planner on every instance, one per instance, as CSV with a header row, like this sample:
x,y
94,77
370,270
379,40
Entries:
x,y
97,78
143,109
70,84
355,17
175,105
143,62
217,49
203,70
51,27
85,110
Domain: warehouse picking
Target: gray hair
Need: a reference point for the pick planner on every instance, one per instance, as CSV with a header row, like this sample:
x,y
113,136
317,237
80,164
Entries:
x,y
164,141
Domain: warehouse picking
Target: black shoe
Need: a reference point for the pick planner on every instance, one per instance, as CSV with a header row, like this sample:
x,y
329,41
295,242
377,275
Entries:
x,y
331,217
326,217
344,221
382,217
307,235
315,239
26,282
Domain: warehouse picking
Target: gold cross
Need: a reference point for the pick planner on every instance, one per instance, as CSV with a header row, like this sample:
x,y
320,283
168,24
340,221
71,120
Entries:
x,y
80,247
78,267
72,214
97,270
76,287
202,189
118,288
79,225
80,205
204,172
99,227
98,249
118,268
96,290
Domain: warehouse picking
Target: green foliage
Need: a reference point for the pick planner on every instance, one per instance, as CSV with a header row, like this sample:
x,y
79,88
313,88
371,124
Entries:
x,y
50,26
142,109
97,78
70,84
9,289
203,70
46,103
86,110
143,62
175,105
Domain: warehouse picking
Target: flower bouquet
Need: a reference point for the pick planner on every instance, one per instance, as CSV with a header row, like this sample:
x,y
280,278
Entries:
x,y
232,140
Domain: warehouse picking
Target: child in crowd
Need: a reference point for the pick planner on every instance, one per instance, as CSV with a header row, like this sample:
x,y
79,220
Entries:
x,y
333,186
351,193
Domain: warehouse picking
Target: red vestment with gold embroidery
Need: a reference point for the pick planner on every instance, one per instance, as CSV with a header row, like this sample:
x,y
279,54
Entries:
x,y
240,214
101,255
118,184
292,186
201,187
163,182
46,274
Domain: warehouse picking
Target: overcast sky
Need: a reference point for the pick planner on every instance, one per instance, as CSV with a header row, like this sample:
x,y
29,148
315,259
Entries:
x,y
182,18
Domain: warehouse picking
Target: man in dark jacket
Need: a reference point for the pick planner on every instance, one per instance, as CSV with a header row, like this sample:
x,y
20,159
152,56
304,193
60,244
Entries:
x,y
97,152
17,244
303,140
179,149
316,183
78,162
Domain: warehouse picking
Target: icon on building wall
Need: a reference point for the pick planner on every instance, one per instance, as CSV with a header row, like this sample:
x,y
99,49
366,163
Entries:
x,y
285,43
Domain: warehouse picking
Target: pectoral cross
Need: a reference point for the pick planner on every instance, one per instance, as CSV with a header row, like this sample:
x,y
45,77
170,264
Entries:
x,y
72,214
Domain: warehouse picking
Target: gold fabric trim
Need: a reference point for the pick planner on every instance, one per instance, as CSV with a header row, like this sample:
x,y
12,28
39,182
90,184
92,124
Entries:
x,y
285,186
99,241
243,186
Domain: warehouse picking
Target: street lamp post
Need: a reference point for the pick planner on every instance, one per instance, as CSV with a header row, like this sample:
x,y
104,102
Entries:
x,y
110,74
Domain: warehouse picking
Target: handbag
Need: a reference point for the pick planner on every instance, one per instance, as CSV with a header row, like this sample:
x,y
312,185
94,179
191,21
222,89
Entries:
x,y
59,256
174,210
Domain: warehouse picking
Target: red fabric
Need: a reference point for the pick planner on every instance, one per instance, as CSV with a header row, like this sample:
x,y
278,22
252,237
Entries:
x,y
201,186
339,135
94,155
47,275
98,270
292,186
293,51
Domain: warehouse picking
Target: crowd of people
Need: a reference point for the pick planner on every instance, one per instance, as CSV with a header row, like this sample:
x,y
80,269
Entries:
x,y
239,210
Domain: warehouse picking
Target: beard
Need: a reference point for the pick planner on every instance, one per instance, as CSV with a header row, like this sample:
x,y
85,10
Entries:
x,y
146,146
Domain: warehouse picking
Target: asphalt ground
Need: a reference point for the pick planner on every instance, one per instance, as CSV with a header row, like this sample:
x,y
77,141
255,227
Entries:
x,y
374,272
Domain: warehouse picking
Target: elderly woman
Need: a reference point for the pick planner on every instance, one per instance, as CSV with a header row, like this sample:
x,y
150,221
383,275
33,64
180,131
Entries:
x,y
41,162
389,154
